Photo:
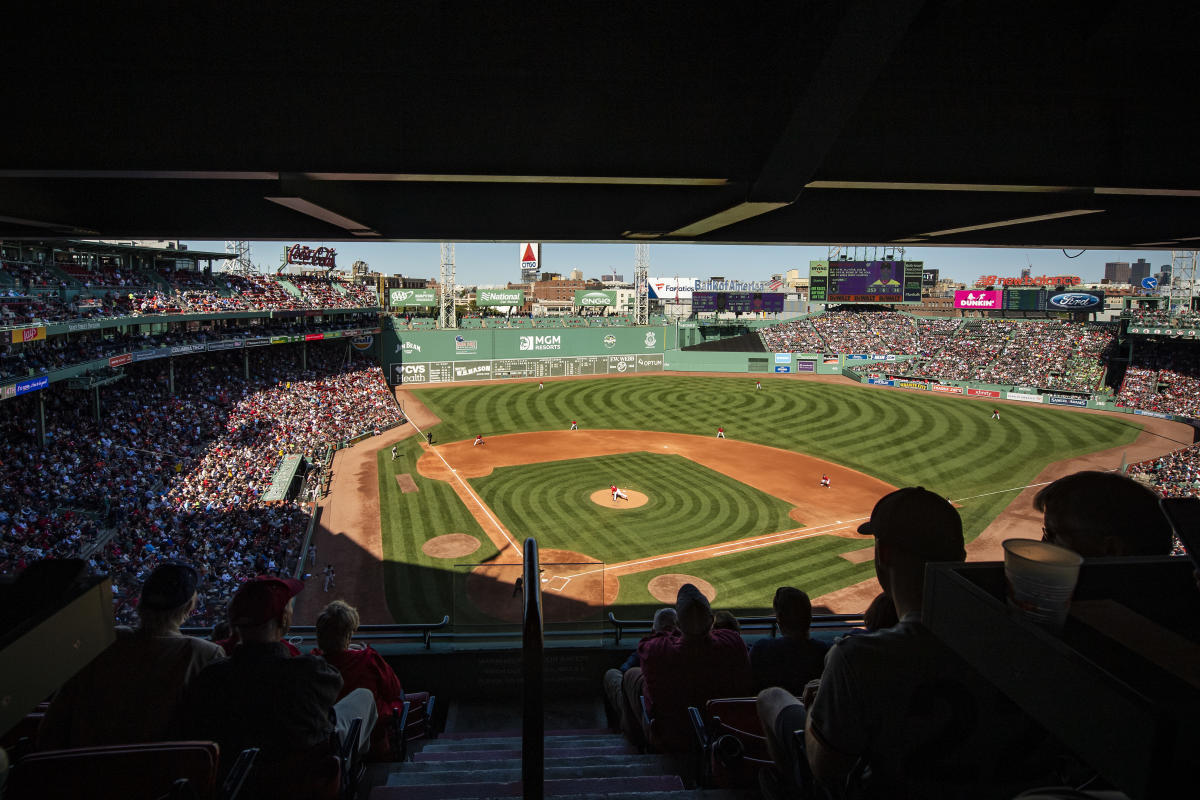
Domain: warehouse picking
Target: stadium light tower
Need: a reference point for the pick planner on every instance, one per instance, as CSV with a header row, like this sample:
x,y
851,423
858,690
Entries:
x,y
239,258
641,284
1183,279
447,317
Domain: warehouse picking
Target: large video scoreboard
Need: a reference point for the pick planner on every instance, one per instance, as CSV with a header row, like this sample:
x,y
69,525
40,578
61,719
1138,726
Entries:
x,y
865,281
738,302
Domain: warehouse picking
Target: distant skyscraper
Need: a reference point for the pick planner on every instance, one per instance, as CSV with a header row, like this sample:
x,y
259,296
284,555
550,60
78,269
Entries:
x,y
1138,270
1117,271
1026,272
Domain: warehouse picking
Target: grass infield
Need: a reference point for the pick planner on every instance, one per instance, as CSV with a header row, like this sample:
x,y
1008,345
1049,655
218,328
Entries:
x,y
949,445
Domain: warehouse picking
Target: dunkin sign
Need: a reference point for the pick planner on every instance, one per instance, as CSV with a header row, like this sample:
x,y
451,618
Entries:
x,y
979,299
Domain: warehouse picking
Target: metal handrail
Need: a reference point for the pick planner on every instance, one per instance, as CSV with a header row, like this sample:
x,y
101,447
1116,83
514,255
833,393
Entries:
x,y
365,633
533,722
747,623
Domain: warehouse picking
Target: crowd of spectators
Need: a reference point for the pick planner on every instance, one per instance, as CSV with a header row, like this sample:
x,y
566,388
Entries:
x,y
1187,319
179,477
37,295
57,352
1176,474
1053,354
1163,376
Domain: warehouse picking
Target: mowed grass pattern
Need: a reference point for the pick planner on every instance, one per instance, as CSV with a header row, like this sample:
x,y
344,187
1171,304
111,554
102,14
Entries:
x,y
949,445
690,506
420,588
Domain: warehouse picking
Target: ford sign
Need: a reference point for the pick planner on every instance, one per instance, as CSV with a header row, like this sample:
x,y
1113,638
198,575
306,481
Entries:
x,y
1074,300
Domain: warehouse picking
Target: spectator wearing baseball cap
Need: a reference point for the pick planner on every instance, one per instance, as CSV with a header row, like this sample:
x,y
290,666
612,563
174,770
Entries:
x,y
130,691
898,701
262,696
681,669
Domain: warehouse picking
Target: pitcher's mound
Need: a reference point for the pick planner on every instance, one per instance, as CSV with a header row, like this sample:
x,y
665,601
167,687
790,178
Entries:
x,y
665,588
603,497
451,545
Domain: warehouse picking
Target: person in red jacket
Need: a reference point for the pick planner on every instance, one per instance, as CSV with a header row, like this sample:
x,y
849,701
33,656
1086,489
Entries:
x,y
362,667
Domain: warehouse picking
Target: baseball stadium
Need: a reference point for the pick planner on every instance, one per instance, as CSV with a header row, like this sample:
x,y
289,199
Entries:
x,y
279,522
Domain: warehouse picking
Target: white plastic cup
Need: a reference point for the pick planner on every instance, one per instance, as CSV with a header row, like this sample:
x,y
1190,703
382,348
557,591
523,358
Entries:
x,y
1041,578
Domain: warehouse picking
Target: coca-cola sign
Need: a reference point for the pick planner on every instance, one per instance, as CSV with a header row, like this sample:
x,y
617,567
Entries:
x,y
303,254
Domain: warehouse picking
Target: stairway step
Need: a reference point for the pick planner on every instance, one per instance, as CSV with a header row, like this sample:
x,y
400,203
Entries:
x,y
592,787
510,742
516,733
622,761
515,752
415,773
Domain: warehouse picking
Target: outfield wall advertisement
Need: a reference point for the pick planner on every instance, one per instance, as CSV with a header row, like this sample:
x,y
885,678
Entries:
x,y
503,368
500,297
424,298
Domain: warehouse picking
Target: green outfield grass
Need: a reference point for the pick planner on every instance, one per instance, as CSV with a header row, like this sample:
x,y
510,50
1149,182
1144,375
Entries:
x,y
949,445
690,506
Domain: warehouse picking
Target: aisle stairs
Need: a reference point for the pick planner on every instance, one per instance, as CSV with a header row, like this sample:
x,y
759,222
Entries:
x,y
587,763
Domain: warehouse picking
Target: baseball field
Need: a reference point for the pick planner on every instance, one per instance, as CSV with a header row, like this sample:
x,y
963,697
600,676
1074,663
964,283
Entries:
x,y
739,516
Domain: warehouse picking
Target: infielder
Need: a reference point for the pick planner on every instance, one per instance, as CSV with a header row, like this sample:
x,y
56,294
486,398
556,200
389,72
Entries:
x,y
478,439
720,433
574,425
825,481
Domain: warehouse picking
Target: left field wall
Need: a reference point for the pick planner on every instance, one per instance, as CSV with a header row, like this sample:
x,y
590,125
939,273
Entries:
x,y
479,354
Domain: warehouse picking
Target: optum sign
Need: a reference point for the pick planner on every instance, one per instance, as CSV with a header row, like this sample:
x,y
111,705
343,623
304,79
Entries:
x,y
595,299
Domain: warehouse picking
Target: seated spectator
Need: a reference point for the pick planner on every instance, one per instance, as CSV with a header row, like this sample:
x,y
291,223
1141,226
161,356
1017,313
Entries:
x,y
262,696
792,659
724,620
1103,514
685,669
665,621
881,613
361,666
130,691
897,707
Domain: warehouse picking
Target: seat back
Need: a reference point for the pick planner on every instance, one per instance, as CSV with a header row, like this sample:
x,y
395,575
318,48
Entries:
x,y
738,746
122,771
301,776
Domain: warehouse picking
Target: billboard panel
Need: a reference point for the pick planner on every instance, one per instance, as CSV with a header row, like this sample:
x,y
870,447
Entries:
x,y
979,299
738,302
500,297
594,299
818,281
929,278
671,289
1083,300
866,282
530,260
426,298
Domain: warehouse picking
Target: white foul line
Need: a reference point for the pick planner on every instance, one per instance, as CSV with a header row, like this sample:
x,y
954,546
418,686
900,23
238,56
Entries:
x,y
470,491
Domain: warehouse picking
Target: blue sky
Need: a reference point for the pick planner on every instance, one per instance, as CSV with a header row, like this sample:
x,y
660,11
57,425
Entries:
x,y
495,264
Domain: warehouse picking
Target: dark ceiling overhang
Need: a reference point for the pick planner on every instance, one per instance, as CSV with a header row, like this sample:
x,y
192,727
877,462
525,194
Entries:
x,y
930,123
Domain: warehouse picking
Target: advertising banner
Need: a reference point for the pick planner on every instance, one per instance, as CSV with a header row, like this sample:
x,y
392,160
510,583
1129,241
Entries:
x,y
8,391
121,360
857,356
150,355
362,343
593,299
887,357
806,366
184,349
280,340
473,371
32,385
880,382
782,368
937,387
1084,300
983,393
783,358
499,297
912,385
1068,400
993,300
425,298
257,341
36,334
929,278
671,289
1023,397
1140,412
313,337
226,345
